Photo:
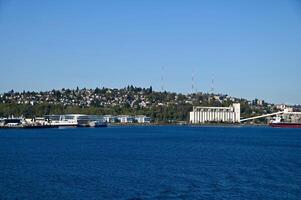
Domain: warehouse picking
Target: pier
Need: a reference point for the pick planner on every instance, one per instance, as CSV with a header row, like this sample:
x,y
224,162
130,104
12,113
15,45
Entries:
x,y
280,113
261,116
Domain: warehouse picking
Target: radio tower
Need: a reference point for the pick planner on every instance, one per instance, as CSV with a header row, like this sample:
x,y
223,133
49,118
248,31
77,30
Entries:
x,y
162,79
192,81
212,85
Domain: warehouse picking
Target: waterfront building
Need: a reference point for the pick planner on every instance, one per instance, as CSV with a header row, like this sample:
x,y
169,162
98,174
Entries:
x,y
126,119
142,119
229,114
89,120
110,119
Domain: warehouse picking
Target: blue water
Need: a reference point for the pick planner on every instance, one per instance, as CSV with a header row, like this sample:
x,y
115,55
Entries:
x,y
156,162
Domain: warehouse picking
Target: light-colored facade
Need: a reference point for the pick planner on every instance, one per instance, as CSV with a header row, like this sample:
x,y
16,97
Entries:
x,y
110,119
80,119
126,119
133,119
142,119
229,114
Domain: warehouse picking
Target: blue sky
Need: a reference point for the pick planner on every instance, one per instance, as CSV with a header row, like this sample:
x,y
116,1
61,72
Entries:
x,y
252,49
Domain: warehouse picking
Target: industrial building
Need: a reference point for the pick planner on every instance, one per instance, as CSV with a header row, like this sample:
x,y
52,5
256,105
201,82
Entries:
x,y
127,119
229,114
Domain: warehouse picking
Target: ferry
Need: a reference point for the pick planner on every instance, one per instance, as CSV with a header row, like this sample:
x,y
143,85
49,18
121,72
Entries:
x,y
11,122
76,120
55,121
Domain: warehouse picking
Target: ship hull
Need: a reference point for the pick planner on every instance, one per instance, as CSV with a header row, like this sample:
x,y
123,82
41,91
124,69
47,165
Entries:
x,y
285,125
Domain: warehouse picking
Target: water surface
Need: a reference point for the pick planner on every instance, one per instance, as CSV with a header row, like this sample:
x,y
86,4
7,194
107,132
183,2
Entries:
x,y
152,162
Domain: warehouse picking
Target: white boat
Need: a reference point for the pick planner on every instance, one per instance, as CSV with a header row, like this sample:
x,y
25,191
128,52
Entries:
x,y
73,120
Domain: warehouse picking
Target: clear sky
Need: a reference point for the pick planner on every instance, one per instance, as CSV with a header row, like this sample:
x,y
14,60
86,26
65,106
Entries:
x,y
252,49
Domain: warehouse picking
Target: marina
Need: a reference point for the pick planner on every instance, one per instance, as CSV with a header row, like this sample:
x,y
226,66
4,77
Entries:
x,y
55,121
72,120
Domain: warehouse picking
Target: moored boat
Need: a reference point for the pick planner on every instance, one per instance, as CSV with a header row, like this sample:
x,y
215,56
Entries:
x,y
285,125
279,122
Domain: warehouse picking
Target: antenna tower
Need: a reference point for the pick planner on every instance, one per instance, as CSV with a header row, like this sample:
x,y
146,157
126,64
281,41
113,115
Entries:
x,y
212,86
162,79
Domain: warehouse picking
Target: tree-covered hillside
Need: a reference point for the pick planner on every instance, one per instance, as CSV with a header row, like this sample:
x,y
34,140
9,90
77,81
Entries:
x,y
161,106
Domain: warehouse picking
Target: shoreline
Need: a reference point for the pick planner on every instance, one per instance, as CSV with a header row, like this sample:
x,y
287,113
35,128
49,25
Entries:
x,y
143,125
190,125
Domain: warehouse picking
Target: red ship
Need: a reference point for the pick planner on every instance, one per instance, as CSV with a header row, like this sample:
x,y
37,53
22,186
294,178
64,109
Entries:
x,y
278,122
285,125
